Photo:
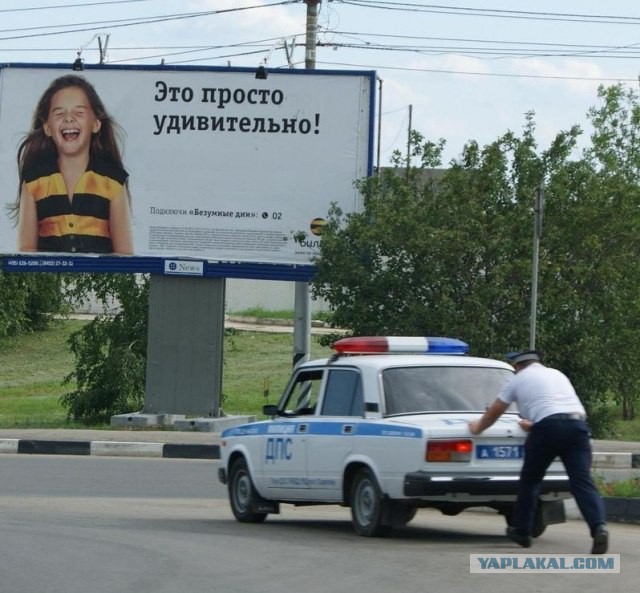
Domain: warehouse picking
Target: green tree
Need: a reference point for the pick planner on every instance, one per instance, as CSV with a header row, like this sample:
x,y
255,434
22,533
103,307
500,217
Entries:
x,y
591,307
110,351
440,256
29,301
452,256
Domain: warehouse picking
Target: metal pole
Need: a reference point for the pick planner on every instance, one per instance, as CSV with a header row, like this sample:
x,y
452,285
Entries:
x,y
379,125
409,137
302,302
537,234
103,48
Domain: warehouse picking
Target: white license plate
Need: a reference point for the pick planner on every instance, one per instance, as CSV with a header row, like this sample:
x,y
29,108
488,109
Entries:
x,y
499,451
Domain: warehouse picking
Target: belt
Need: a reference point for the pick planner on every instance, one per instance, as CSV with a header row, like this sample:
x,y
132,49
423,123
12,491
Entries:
x,y
575,416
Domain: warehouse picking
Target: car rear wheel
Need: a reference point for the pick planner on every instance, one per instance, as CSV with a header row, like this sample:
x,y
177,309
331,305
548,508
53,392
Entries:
x,y
539,526
242,494
367,505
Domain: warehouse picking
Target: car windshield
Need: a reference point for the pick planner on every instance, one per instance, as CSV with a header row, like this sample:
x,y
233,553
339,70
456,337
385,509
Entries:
x,y
438,389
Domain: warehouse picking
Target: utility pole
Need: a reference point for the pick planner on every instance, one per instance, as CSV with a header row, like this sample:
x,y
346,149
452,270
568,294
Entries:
x,y
409,138
312,34
302,303
379,125
537,234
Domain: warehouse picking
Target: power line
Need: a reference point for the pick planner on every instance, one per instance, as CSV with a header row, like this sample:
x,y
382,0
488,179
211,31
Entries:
x,y
130,22
495,13
491,74
486,53
477,48
357,34
262,44
500,48
74,6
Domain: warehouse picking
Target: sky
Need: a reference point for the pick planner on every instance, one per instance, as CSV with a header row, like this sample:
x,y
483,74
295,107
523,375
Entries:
x,y
460,71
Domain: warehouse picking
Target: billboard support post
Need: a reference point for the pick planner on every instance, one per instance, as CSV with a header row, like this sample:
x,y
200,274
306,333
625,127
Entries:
x,y
185,346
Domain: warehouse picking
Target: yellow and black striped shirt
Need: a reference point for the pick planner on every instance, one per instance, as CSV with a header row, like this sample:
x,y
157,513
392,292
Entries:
x,y
80,225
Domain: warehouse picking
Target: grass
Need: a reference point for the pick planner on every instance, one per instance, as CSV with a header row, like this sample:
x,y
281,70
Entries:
x,y
34,366
255,363
33,369
627,431
624,488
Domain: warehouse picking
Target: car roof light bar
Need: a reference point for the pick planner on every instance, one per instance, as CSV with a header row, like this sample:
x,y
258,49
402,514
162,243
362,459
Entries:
x,y
400,344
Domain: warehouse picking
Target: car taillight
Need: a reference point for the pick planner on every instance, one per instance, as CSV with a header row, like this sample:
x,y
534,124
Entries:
x,y
450,450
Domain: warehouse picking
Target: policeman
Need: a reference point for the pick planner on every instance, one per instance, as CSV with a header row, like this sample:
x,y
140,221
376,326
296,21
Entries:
x,y
556,421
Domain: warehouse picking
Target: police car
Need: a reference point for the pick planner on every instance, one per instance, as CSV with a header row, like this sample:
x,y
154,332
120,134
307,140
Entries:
x,y
382,427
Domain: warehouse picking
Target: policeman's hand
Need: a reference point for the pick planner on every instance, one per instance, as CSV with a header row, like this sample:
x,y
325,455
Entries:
x,y
474,427
525,424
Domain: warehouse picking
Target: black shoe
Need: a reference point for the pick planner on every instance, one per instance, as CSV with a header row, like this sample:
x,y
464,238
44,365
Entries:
x,y
521,540
600,540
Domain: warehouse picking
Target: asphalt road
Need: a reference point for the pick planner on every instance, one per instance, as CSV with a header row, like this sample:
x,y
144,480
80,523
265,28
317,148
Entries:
x,y
93,525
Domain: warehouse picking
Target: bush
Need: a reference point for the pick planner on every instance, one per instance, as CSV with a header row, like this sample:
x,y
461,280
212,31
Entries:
x,y
623,488
110,351
29,301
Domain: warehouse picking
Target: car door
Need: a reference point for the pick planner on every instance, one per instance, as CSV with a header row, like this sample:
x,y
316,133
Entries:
x,y
284,455
330,436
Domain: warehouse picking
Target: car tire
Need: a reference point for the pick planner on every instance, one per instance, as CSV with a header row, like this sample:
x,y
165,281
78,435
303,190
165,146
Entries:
x,y
242,493
539,526
400,514
367,505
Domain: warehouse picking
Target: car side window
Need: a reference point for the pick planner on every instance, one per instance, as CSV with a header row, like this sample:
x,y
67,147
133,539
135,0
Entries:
x,y
343,394
304,392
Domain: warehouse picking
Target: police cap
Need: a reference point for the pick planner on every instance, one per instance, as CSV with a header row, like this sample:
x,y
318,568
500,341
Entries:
x,y
518,357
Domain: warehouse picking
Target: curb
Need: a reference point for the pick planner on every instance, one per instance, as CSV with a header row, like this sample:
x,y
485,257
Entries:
x,y
622,510
608,460
605,460
110,449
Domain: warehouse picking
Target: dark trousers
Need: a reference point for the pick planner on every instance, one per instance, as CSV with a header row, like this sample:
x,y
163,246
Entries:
x,y
568,440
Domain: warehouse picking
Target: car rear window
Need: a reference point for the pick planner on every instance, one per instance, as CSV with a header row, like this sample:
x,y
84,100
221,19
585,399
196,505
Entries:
x,y
438,389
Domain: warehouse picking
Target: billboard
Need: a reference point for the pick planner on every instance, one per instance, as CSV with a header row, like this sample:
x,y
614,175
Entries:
x,y
221,173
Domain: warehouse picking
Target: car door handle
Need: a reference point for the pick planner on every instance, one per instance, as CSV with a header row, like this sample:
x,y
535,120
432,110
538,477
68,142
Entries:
x,y
347,428
303,428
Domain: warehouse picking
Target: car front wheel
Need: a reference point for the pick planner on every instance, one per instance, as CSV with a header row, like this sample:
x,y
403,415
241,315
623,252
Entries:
x,y
367,505
242,494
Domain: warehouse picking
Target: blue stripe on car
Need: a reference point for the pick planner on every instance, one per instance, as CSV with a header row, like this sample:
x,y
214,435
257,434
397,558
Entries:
x,y
324,429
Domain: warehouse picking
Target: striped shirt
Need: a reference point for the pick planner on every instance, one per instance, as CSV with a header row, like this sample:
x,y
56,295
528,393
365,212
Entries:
x,y
79,225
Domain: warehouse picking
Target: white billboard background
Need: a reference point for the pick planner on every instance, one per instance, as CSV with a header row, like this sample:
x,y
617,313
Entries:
x,y
283,150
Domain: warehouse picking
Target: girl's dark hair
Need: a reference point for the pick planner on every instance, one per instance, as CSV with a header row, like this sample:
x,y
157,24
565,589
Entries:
x,y
37,147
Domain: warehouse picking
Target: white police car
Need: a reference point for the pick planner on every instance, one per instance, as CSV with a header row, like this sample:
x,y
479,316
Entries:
x,y
382,427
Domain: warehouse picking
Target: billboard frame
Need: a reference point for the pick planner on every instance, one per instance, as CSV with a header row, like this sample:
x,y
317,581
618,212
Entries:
x,y
181,265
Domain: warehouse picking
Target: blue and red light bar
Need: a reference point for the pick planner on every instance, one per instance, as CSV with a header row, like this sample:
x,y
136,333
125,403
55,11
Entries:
x,y
400,344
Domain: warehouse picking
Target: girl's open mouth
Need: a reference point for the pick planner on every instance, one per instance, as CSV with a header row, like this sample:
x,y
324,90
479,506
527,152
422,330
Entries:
x,y
71,134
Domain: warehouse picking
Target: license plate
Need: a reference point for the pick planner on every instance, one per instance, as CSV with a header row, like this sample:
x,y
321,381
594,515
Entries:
x,y
499,451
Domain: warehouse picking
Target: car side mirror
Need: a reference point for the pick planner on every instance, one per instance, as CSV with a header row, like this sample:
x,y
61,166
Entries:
x,y
270,410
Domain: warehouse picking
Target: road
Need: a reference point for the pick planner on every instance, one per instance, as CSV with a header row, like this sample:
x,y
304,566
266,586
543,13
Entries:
x,y
93,525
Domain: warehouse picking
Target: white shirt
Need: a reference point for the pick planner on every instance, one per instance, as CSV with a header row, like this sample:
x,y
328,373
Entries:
x,y
540,391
